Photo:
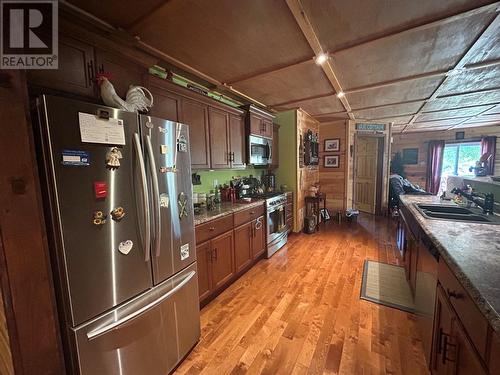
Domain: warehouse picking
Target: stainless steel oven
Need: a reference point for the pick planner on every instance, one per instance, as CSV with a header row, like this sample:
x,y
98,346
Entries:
x,y
277,230
259,150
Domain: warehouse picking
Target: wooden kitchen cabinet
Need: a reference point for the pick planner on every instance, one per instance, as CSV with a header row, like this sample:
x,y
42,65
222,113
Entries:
x,y
243,246
453,352
259,122
167,105
123,72
222,259
220,154
195,114
258,237
76,72
204,262
238,141
215,263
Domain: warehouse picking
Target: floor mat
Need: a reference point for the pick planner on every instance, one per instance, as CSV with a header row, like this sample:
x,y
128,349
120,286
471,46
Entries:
x,y
386,284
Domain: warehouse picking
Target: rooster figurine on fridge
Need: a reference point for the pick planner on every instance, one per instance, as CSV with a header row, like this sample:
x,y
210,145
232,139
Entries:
x,y
135,100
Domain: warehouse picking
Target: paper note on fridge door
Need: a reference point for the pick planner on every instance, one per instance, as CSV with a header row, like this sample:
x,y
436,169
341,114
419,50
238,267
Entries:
x,y
97,130
184,251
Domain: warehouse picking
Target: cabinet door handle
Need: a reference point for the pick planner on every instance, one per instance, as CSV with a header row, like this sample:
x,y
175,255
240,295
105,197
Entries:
x,y
101,68
252,212
446,344
216,253
211,229
454,294
90,72
210,254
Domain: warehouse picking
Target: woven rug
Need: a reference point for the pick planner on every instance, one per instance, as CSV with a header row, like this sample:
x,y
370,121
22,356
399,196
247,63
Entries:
x,y
386,284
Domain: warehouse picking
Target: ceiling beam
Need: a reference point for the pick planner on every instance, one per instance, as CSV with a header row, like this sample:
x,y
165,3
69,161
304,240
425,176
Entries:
x,y
472,117
271,70
490,30
311,37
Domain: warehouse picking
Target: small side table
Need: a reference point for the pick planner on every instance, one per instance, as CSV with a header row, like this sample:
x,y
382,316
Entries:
x,y
312,206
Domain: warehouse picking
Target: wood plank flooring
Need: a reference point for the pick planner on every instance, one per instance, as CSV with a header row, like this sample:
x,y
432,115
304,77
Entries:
x,y
300,312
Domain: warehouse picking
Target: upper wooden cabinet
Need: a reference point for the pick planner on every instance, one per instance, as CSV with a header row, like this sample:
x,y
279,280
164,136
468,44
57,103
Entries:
x,y
76,70
166,104
123,72
259,122
195,114
220,153
238,141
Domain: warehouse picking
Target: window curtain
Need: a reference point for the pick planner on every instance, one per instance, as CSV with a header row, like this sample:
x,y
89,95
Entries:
x,y
434,165
489,146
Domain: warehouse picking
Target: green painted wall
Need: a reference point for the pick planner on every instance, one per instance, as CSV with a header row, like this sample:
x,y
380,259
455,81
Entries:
x,y
223,177
286,173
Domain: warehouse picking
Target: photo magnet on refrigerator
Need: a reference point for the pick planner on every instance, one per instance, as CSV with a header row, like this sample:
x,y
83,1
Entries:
x,y
185,251
75,158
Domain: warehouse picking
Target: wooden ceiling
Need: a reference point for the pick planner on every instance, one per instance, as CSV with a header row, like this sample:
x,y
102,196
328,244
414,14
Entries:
x,y
422,65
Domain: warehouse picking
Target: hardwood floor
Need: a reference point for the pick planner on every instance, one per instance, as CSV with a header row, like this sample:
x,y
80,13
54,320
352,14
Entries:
x,y
300,312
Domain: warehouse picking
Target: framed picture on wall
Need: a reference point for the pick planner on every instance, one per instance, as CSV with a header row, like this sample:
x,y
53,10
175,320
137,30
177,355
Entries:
x,y
332,144
410,156
332,161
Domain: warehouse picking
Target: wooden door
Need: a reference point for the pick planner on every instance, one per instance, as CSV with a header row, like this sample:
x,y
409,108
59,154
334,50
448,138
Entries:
x,y
259,237
123,72
237,143
255,125
166,105
443,320
195,114
222,259
242,246
219,139
463,357
204,268
267,128
365,173
76,72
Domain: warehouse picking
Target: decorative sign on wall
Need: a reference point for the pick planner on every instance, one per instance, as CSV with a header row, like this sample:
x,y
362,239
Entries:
x,y
410,156
366,126
332,161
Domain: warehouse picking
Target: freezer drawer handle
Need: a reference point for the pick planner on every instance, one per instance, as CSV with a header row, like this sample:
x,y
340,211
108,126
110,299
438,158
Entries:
x,y
103,330
145,196
156,196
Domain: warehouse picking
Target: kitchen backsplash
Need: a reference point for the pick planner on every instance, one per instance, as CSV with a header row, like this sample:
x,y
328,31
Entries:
x,y
222,177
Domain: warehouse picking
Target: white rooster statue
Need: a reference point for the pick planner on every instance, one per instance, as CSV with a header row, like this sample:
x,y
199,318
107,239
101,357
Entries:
x,y
135,101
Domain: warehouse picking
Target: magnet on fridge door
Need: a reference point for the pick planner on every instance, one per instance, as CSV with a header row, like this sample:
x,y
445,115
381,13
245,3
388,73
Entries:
x,y
163,149
125,246
182,145
75,158
100,189
99,218
164,200
182,202
113,158
118,213
185,251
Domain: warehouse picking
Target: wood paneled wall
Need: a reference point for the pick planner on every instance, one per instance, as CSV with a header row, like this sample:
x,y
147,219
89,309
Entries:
x,y
307,175
416,173
333,180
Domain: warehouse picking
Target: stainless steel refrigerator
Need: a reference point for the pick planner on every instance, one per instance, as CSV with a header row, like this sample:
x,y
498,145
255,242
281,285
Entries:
x,y
120,218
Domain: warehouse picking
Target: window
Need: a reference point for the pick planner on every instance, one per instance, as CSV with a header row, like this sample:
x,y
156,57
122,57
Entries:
x,y
459,157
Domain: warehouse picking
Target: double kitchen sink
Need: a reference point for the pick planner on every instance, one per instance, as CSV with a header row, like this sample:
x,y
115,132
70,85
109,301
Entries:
x,y
456,213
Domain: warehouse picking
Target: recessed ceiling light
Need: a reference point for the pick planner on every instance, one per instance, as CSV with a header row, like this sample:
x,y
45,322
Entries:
x,y
340,94
321,58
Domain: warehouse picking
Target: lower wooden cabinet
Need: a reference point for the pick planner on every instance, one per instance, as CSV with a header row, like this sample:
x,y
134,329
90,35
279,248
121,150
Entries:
x,y
243,246
222,259
258,237
215,260
453,353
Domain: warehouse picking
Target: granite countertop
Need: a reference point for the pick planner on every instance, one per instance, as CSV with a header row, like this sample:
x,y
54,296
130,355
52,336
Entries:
x,y
471,250
223,209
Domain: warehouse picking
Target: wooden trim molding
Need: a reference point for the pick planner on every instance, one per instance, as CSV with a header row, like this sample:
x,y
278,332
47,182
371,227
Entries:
x,y
24,260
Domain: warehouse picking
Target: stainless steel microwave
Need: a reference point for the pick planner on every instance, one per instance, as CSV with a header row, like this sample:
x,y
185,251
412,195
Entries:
x,y
260,150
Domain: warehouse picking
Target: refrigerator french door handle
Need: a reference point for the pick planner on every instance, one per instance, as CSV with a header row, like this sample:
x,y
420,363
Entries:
x,y
156,196
103,330
145,196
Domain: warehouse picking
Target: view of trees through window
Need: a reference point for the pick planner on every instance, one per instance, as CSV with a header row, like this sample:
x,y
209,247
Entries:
x,y
459,157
